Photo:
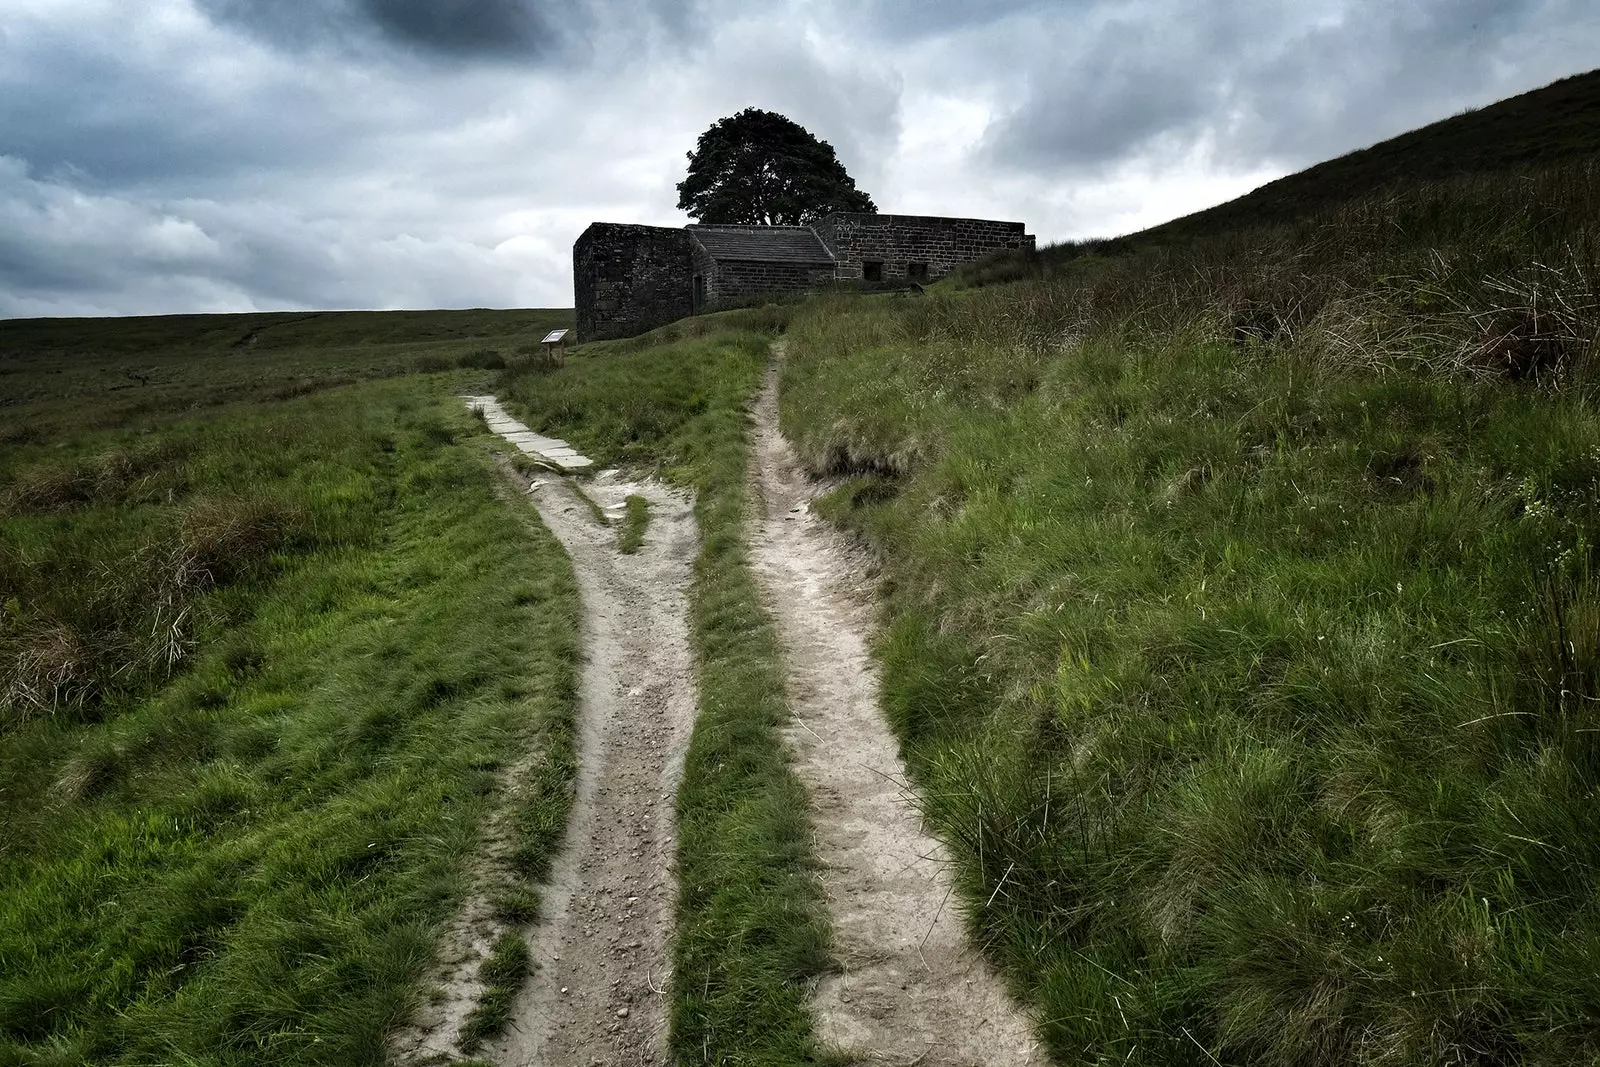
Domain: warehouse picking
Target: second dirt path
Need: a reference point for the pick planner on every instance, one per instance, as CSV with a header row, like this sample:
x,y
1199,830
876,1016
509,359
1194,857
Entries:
x,y
912,989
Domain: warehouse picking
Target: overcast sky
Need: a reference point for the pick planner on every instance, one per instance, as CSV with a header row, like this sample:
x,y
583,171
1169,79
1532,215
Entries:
x,y
235,155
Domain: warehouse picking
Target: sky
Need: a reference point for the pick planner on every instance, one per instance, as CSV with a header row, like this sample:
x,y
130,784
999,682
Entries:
x,y
167,156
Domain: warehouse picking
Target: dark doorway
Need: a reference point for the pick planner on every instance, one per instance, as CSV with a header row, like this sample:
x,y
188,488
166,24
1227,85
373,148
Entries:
x,y
917,272
699,291
872,271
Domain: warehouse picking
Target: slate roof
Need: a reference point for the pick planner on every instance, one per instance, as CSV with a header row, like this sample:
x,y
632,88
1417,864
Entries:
x,y
762,244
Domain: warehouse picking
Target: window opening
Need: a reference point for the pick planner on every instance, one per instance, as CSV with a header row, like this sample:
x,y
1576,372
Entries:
x,y
872,270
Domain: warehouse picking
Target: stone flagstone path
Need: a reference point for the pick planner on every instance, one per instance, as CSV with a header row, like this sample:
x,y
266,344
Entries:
x,y
551,449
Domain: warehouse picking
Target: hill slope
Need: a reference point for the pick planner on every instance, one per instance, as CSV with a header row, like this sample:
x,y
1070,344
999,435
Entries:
x,y
1556,123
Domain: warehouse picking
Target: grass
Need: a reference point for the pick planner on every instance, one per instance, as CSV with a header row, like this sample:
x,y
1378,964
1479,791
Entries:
x,y
265,663
752,928
501,975
635,521
1240,626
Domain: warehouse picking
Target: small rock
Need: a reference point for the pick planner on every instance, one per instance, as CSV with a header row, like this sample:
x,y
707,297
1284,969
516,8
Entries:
x,y
563,989
622,1013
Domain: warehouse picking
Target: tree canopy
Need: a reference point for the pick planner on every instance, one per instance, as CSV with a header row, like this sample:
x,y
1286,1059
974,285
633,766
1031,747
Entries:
x,y
760,167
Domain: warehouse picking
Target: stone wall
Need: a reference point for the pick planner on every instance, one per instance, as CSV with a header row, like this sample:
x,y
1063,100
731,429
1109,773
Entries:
x,y
899,241
739,281
629,279
721,283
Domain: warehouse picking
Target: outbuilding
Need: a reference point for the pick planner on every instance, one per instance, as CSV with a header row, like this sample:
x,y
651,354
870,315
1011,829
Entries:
x,y
628,279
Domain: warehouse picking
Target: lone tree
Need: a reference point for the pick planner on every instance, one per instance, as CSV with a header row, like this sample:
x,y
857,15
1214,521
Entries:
x,y
759,167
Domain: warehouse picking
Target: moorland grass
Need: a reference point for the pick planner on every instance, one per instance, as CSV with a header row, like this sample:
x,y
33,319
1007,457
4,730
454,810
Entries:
x,y
234,842
751,926
138,373
1250,670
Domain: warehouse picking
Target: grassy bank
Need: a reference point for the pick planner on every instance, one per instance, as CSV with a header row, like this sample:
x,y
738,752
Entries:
x,y
1241,625
262,665
751,928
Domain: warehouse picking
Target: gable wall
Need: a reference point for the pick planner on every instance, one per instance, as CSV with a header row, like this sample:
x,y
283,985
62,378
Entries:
x,y
630,279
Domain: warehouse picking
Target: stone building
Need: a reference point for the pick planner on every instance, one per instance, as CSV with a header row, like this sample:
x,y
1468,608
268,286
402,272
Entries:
x,y
628,279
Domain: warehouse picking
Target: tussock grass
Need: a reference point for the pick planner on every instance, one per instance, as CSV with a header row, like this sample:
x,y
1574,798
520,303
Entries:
x,y
264,665
752,928
1241,629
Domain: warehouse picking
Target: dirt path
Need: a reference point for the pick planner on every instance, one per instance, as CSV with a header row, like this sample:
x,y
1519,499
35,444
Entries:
x,y
913,991
598,990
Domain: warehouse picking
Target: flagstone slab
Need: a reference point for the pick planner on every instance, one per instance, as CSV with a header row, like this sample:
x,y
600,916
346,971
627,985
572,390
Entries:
x,y
552,450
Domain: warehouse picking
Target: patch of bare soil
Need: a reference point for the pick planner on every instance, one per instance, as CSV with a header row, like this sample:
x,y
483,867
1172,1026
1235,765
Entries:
x,y
912,989
598,990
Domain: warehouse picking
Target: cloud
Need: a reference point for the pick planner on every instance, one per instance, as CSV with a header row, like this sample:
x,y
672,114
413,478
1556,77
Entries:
x,y
1100,103
913,20
451,28
841,96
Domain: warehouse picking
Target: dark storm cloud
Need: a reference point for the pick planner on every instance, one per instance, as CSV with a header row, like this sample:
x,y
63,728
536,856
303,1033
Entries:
x,y
1258,86
108,121
533,31
458,28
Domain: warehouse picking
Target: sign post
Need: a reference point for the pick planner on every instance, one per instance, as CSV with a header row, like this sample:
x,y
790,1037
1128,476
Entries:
x,y
555,347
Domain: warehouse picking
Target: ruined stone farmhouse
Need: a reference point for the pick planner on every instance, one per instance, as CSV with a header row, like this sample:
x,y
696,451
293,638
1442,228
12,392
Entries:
x,y
628,279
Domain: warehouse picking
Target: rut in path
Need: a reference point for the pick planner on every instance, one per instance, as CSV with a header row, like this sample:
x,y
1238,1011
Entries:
x,y
912,989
